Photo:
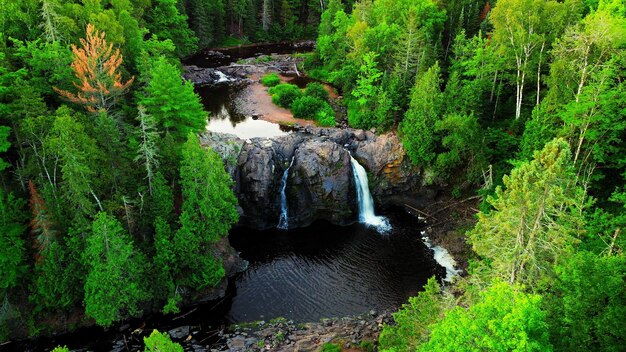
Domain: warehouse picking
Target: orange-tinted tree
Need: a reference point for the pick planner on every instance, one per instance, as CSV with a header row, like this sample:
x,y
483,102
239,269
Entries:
x,y
41,224
96,66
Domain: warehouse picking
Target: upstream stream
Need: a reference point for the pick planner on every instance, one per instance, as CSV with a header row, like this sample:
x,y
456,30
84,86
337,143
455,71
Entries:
x,y
302,274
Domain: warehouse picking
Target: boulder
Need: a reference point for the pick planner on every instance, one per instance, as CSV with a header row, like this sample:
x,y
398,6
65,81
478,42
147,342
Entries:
x,y
320,185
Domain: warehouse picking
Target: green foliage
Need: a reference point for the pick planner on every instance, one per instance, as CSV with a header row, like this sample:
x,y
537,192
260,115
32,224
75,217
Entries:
x,y
505,319
208,212
535,220
270,79
165,21
160,342
114,287
75,149
463,143
173,104
12,249
587,307
326,116
61,349
55,286
317,90
4,145
330,347
412,322
307,107
417,128
285,94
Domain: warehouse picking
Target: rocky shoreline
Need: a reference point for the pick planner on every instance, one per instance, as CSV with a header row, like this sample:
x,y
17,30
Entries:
x,y
358,333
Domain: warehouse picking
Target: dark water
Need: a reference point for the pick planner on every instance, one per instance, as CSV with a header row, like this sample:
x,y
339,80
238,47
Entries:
x,y
326,270
226,56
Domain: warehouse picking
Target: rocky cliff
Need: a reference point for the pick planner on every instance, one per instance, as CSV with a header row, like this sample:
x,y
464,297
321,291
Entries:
x,y
320,182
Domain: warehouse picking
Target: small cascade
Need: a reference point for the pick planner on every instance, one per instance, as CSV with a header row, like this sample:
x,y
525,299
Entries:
x,y
222,77
443,258
283,221
366,202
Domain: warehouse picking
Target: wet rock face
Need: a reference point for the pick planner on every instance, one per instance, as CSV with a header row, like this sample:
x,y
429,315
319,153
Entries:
x,y
258,183
320,183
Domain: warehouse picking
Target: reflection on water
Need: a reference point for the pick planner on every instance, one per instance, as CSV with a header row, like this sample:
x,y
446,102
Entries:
x,y
242,126
223,118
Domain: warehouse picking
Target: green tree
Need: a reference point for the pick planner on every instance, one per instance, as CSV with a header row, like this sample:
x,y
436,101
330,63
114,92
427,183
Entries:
x,y
413,321
114,286
587,306
505,319
12,248
417,128
464,147
4,145
165,21
523,30
208,212
74,149
366,93
172,102
536,218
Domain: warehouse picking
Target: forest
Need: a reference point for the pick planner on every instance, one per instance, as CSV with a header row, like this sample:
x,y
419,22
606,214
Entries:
x,y
110,207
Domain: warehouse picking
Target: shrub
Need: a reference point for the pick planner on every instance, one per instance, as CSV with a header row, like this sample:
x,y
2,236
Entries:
x,y
317,90
307,107
330,347
284,94
160,342
326,116
270,79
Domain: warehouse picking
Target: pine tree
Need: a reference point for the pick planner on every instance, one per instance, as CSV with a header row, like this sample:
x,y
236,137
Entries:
x,y
172,102
418,126
165,21
11,242
114,287
96,67
208,212
535,220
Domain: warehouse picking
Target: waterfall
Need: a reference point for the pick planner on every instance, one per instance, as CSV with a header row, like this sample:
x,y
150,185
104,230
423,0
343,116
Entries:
x,y
366,202
283,221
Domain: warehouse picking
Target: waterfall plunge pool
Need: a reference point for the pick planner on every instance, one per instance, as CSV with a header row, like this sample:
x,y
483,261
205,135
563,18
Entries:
x,y
326,270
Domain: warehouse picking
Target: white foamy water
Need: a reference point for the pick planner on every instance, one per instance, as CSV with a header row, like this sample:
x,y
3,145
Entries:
x,y
366,202
443,258
283,221
222,77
